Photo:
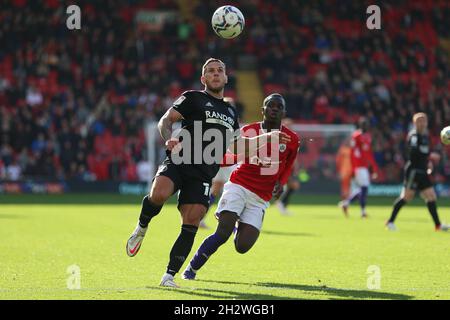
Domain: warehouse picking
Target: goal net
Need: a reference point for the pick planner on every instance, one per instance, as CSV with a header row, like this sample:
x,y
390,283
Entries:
x,y
324,152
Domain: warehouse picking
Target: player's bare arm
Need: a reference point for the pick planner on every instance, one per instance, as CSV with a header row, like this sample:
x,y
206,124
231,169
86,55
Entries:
x,y
433,158
165,127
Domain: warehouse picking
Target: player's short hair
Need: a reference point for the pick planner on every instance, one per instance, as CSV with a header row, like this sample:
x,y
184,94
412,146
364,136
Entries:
x,y
361,121
212,60
274,96
419,115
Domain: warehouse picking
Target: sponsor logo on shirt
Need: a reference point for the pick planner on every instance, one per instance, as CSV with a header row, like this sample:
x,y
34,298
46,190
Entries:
x,y
219,118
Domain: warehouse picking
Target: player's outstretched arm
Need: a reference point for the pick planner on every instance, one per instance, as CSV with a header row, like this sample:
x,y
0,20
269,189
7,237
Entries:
x,y
166,121
249,146
435,157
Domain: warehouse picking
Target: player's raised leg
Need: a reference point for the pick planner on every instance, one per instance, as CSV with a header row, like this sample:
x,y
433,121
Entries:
x,y
227,221
162,189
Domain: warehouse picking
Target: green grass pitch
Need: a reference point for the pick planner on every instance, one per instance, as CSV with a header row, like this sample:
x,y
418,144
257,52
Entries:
x,y
315,254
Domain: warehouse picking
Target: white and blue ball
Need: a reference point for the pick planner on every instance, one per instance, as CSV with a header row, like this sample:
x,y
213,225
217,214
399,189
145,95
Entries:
x,y
228,22
445,135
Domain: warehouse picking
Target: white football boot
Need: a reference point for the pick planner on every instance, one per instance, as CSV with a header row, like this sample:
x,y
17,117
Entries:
x,y
344,206
283,210
167,281
391,226
135,241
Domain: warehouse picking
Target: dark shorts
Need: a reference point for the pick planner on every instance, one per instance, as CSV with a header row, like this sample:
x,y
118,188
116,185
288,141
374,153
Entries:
x,y
416,179
190,191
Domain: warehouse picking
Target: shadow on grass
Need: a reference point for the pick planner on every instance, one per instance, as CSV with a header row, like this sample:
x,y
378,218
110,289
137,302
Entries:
x,y
332,292
11,216
223,294
292,234
346,293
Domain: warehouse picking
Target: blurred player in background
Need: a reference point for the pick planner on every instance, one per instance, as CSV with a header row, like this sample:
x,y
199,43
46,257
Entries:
x,y
344,168
417,171
222,176
362,162
291,186
246,196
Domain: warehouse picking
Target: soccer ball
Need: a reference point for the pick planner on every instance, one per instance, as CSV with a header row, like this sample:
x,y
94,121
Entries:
x,y
228,22
445,135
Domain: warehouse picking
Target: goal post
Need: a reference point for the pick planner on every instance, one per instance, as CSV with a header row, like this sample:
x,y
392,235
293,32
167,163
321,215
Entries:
x,y
320,145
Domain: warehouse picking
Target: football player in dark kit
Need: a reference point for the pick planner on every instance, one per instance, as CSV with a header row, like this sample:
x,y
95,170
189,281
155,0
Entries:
x,y
417,171
200,113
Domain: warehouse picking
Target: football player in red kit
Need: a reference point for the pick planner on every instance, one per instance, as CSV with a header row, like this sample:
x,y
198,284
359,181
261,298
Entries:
x,y
362,159
255,181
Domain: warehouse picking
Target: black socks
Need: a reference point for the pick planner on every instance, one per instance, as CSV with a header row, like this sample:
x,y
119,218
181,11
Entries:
x,y
148,211
181,248
432,208
433,211
398,204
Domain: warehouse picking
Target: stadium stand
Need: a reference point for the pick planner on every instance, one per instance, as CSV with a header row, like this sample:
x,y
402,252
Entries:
x,y
73,103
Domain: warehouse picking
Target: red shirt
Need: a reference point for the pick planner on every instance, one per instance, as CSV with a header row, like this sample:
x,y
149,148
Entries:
x,y
261,180
362,155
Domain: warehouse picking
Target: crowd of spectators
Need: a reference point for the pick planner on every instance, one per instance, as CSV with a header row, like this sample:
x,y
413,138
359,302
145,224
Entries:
x,y
74,103
332,69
